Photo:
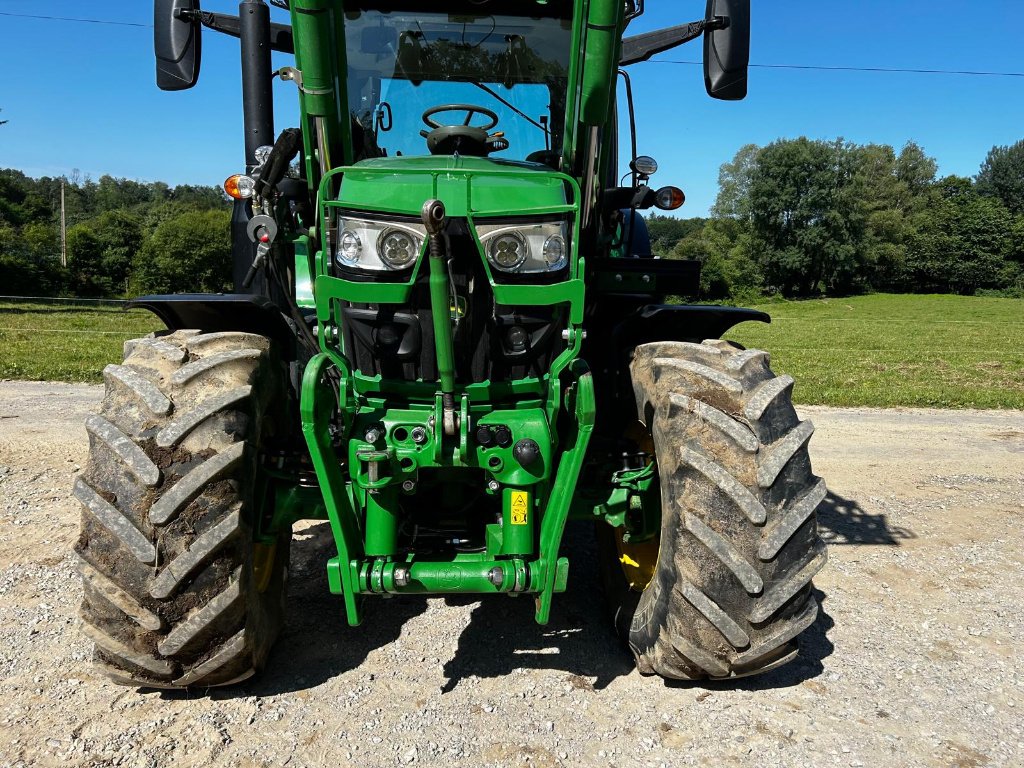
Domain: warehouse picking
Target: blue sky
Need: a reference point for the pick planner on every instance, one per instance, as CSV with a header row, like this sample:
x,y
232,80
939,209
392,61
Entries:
x,y
82,96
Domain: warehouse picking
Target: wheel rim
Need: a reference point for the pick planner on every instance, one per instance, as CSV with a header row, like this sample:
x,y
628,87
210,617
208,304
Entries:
x,y
638,561
263,564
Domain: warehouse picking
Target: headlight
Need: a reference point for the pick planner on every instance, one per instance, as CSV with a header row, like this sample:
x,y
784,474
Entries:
x,y
378,246
525,247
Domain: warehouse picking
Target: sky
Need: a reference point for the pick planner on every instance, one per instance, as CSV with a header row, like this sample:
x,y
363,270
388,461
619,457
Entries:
x,y
80,96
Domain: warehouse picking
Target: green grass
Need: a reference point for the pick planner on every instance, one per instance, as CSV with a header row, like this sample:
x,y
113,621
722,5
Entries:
x,y
65,342
886,350
882,350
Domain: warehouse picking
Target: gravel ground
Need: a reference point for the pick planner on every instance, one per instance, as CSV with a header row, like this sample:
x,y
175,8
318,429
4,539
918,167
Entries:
x,y
915,659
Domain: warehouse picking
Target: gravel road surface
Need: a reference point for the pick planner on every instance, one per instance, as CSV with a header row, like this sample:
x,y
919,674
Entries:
x,y
914,661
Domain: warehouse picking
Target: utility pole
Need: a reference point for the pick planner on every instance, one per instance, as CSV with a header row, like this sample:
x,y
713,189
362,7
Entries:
x,y
63,228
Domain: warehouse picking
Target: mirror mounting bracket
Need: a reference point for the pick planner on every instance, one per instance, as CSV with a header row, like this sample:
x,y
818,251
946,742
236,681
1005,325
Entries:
x,y
642,47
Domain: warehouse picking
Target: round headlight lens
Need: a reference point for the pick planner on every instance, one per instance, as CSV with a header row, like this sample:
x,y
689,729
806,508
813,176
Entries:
x,y
554,252
508,251
349,247
397,249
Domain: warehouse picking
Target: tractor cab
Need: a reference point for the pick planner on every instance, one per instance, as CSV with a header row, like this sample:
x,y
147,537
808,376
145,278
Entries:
x,y
481,82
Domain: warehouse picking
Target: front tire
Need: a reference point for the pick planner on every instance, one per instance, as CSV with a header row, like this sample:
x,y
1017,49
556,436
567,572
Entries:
x,y
731,587
177,593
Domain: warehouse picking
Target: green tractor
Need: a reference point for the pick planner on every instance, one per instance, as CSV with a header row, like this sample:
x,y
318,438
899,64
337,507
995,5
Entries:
x,y
449,338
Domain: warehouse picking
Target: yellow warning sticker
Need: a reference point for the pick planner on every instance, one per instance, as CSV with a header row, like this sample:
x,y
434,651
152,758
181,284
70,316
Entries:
x,y
520,507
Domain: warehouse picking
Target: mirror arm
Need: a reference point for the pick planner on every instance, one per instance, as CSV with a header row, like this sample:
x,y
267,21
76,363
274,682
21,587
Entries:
x,y
641,47
638,198
281,39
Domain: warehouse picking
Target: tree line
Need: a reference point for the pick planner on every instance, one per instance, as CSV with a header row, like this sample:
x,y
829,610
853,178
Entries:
x,y
124,237
800,218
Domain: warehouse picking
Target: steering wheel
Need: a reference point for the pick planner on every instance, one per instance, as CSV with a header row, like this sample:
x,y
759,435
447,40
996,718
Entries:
x,y
462,139
469,109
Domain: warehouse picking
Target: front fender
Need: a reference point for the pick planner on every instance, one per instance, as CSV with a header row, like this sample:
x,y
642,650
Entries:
x,y
680,322
213,312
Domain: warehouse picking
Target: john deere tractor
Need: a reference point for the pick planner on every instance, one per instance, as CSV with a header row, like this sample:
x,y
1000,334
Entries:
x,y
448,338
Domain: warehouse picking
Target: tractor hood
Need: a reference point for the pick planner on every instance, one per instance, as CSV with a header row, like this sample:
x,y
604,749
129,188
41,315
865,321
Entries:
x,y
468,186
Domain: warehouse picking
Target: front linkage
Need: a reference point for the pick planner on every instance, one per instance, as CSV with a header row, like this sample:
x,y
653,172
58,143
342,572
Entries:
x,y
383,449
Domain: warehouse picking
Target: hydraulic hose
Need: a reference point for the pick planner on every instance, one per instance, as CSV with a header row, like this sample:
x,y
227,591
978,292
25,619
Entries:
x,y
433,215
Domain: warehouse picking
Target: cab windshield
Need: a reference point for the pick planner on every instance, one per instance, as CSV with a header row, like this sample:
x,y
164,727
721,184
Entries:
x,y
403,64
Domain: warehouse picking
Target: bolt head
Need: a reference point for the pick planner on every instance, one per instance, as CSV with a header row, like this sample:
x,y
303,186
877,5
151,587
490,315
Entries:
x,y
496,576
493,485
372,435
419,435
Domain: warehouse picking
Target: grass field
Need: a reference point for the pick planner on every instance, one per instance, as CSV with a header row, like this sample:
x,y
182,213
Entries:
x,y
885,350
881,350
65,342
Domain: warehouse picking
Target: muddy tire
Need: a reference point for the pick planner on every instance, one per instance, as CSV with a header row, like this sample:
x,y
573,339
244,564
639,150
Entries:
x,y
731,587
176,592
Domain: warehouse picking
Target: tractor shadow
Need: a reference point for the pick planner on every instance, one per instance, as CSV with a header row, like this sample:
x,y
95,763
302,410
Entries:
x,y
316,643
502,635
845,521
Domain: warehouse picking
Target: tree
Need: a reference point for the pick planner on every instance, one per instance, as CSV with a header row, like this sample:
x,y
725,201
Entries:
x,y
808,222
916,171
666,231
190,252
893,190
85,263
19,200
1002,176
733,201
966,242
723,248
120,236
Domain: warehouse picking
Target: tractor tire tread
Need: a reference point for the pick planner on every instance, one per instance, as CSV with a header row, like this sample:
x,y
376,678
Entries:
x,y
732,590
170,599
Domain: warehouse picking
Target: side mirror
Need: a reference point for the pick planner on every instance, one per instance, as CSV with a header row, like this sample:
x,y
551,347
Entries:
x,y
177,42
727,50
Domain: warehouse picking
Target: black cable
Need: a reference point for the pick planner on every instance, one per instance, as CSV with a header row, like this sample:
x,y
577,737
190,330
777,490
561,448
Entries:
x,y
879,70
83,21
811,67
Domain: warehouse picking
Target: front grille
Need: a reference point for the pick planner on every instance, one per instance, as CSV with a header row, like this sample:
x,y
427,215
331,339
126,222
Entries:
x,y
492,342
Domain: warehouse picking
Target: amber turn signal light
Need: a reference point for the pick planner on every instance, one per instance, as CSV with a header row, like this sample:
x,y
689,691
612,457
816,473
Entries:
x,y
669,198
239,186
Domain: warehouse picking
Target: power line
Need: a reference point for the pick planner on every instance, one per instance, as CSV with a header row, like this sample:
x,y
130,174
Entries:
x,y
806,67
883,70
82,20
